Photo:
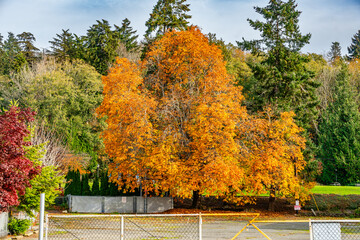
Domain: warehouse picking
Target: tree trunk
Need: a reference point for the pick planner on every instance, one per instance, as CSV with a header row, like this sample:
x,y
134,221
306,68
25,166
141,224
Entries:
x,y
196,197
272,200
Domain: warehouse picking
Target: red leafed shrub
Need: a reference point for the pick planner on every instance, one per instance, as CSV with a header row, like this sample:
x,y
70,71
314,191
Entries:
x,y
15,169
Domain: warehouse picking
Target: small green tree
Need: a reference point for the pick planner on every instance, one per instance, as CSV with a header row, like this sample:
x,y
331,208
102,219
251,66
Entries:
x,y
47,181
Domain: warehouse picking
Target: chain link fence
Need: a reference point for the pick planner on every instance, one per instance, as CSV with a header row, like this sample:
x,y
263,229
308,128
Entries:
x,y
123,227
196,226
335,229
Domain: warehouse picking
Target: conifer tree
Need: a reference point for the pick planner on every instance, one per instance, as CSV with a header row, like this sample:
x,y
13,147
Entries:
x,y
100,44
167,15
63,45
354,49
95,190
339,135
85,188
281,79
69,186
14,59
127,35
77,184
26,42
104,187
335,51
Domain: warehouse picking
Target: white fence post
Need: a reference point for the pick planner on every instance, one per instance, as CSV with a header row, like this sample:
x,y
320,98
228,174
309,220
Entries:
x,y
42,211
122,228
311,231
200,227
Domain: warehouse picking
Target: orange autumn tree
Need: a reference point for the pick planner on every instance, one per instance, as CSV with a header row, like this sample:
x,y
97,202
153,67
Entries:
x,y
128,137
198,112
176,123
275,156
175,129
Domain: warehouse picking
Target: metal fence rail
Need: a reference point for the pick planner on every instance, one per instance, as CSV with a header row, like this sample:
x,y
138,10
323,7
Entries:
x,y
196,226
123,227
334,229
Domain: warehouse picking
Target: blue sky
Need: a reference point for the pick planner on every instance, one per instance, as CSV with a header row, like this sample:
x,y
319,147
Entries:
x,y
327,20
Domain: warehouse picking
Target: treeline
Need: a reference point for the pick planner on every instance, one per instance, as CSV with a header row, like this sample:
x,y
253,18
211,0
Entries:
x,y
270,80
79,184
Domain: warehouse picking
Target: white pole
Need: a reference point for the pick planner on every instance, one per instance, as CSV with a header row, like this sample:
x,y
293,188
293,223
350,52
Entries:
x,y
311,230
122,228
200,227
42,211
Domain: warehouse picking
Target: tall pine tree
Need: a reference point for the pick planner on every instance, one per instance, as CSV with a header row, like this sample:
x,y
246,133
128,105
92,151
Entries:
x,y
63,46
339,135
127,36
354,49
281,80
14,58
26,42
100,44
335,52
167,15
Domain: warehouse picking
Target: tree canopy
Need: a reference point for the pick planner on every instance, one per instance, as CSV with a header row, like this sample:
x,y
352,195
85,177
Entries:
x,y
182,128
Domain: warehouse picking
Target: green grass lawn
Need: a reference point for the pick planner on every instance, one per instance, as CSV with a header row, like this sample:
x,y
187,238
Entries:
x,y
340,190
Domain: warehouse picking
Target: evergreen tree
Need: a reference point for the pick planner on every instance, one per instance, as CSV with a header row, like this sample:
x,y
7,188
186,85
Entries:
x,y
85,188
76,189
281,79
69,182
335,52
354,49
2,56
14,59
339,135
167,15
113,189
26,42
104,187
127,35
101,44
95,190
63,46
